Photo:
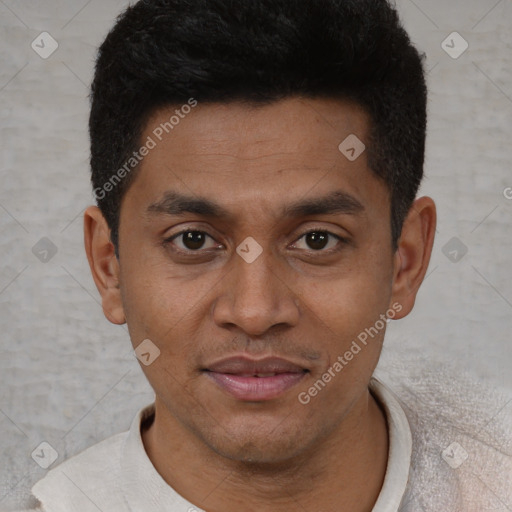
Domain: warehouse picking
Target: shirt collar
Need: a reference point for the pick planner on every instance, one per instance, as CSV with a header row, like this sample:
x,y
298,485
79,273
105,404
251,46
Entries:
x,y
143,487
400,449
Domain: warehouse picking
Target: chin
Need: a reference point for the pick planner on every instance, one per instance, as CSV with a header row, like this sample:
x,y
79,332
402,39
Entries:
x,y
260,449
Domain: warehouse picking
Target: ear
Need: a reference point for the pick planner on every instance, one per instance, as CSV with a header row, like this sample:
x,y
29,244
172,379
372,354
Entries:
x,y
413,253
103,263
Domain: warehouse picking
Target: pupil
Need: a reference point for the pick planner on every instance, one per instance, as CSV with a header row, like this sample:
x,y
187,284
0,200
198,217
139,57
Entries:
x,y
193,239
317,241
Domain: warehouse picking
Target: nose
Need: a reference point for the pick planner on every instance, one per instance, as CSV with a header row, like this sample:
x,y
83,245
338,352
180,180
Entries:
x,y
256,296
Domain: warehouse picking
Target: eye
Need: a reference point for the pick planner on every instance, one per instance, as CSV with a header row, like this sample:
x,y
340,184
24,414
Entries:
x,y
318,240
191,240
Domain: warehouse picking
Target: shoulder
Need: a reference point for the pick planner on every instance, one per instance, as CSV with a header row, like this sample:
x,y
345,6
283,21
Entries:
x,y
461,431
83,480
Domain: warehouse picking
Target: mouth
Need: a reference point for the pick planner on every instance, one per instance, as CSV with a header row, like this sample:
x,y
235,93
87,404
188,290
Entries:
x,y
255,380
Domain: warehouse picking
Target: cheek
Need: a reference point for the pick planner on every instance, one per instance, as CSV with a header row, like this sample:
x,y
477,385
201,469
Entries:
x,y
352,301
162,306
347,312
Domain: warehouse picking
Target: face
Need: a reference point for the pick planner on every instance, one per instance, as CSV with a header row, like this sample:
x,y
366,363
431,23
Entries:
x,y
251,245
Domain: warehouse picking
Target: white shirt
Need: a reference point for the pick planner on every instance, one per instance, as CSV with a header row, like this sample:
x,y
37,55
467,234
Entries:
x,y
116,475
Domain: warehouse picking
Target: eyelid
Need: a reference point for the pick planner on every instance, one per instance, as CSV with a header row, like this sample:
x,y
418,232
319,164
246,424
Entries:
x,y
170,239
343,240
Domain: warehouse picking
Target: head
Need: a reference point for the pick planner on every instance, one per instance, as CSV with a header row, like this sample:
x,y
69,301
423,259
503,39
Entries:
x,y
232,221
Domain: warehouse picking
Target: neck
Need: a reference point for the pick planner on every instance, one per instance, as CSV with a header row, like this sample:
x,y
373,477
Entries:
x,y
345,471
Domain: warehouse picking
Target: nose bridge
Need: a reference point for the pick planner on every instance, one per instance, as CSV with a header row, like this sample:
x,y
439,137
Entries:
x,y
255,296
255,279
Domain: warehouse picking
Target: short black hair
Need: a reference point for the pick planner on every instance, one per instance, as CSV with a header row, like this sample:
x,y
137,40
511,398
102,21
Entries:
x,y
164,52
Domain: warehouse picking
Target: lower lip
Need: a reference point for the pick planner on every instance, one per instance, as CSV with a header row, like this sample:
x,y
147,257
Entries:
x,y
256,389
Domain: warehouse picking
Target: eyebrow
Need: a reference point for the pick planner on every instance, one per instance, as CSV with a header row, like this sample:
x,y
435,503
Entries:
x,y
174,203
337,202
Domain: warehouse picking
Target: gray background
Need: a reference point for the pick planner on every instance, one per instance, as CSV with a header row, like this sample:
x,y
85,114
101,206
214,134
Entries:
x,y
67,375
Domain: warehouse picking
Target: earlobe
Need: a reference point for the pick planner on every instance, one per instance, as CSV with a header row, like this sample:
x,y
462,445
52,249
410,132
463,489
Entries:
x,y
103,264
413,253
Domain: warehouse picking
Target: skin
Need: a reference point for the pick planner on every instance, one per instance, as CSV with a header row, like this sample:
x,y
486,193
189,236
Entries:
x,y
295,301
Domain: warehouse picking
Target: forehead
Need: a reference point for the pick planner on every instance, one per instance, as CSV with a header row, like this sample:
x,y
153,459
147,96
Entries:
x,y
312,125
236,152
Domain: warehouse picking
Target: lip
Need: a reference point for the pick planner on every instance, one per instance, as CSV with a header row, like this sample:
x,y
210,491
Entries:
x,y
238,376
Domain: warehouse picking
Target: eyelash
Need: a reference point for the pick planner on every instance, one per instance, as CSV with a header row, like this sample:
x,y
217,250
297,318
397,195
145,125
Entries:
x,y
189,252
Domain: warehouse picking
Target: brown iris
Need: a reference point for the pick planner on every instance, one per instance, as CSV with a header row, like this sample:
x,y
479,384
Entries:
x,y
317,241
193,240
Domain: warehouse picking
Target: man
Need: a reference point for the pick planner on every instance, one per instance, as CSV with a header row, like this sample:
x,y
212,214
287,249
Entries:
x,y
256,166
